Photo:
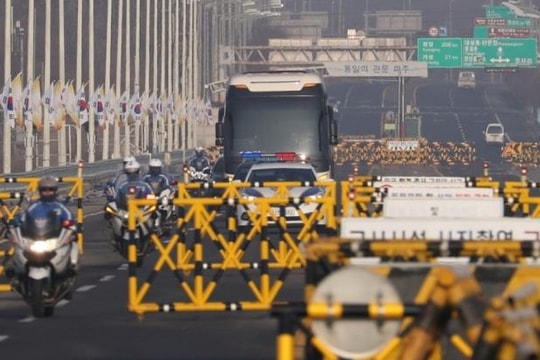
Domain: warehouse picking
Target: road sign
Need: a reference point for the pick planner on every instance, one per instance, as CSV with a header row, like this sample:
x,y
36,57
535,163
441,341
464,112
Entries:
x,y
433,31
499,52
509,32
440,52
499,11
377,68
443,31
490,21
477,53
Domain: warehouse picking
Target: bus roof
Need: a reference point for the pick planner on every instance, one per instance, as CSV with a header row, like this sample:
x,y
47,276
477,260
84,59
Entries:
x,y
275,80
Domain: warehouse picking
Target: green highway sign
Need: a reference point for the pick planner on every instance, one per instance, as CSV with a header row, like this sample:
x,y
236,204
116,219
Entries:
x,y
440,52
499,52
519,23
499,11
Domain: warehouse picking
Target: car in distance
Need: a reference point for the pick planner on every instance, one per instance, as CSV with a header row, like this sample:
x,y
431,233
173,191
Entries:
x,y
261,173
466,80
494,133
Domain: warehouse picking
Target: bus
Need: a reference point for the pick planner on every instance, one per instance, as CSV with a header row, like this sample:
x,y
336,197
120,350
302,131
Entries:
x,y
277,111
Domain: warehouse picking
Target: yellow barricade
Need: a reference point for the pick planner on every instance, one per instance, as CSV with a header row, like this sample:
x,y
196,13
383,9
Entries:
x,y
11,203
452,301
198,270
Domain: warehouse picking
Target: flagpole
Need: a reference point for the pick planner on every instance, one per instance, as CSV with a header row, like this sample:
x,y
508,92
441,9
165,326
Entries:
x,y
127,135
170,136
116,151
136,65
47,81
29,145
183,129
155,81
61,133
91,120
7,75
147,86
107,78
163,116
78,78
176,61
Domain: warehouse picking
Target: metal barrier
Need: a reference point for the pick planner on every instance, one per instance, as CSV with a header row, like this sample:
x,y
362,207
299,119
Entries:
x,y
361,198
198,271
494,303
12,203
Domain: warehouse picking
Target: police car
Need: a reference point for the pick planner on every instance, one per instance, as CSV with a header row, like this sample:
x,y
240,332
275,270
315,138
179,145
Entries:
x,y
260,174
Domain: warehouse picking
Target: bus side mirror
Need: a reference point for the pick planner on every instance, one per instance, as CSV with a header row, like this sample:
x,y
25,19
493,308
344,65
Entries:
x,y
333,127
219,128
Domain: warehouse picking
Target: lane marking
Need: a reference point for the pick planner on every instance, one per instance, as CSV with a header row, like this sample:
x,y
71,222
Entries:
x,y
28,319
85,288
3,337
107,278
123,267
62,302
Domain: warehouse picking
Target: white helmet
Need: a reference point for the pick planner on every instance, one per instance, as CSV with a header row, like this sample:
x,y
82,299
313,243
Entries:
x,y
199,151
154,167
155,163
132,167
128,159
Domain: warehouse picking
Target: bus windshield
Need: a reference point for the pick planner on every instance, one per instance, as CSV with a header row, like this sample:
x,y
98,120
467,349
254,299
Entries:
x,y
276,123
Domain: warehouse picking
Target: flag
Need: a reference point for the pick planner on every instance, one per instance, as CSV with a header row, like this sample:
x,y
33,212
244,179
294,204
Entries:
x,y
82,106
70,102
35,103
110,106
10,111
16,90
123,107
27,103
135,106
58,119
5,93
97,104
47,101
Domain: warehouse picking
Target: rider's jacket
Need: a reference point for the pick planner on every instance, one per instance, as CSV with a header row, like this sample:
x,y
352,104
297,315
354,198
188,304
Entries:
x,y
44,210
136,189
199,162
158,182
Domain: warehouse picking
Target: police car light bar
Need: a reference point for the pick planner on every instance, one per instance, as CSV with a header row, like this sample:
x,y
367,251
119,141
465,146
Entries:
x,y
271,157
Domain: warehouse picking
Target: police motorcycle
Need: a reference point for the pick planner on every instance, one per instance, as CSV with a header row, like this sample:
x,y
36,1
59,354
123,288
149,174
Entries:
x,y
116,213
166,212
199,170
43,269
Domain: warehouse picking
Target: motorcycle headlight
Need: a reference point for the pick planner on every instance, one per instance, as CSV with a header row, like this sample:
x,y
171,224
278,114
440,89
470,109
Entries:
x,y
41,246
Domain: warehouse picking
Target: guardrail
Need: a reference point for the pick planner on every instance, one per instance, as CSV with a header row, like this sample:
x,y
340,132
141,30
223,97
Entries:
x,y
98,171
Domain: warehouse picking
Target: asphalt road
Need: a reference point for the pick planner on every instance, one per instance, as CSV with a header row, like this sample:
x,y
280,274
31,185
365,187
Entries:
x,y
96,324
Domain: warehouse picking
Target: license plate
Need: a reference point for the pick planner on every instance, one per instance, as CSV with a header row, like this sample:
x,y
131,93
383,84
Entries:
x,y
289,211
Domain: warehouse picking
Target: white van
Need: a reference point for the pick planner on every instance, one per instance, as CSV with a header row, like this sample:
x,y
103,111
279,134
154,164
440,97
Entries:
x,y
466,80
494,133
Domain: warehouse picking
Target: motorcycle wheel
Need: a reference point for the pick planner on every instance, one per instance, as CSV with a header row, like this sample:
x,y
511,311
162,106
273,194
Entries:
x,y
39,309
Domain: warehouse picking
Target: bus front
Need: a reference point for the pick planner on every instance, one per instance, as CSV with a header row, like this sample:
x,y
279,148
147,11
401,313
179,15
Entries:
x,y
277,115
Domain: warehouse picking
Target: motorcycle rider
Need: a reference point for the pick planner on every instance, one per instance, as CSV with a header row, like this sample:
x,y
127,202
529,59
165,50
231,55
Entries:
x,y
47,202
48,192
155,177
199,162
114,184
133,186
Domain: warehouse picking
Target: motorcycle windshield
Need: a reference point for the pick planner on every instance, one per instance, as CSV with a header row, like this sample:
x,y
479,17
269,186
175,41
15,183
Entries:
x,y
41,226
123,198
199,164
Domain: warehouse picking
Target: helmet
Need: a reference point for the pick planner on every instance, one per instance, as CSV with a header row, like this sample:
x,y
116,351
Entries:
x,y
128,159
132,167
48,188
199,151
155,166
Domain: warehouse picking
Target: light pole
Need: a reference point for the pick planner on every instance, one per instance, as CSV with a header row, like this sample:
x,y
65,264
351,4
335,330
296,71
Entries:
x,y
450,32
